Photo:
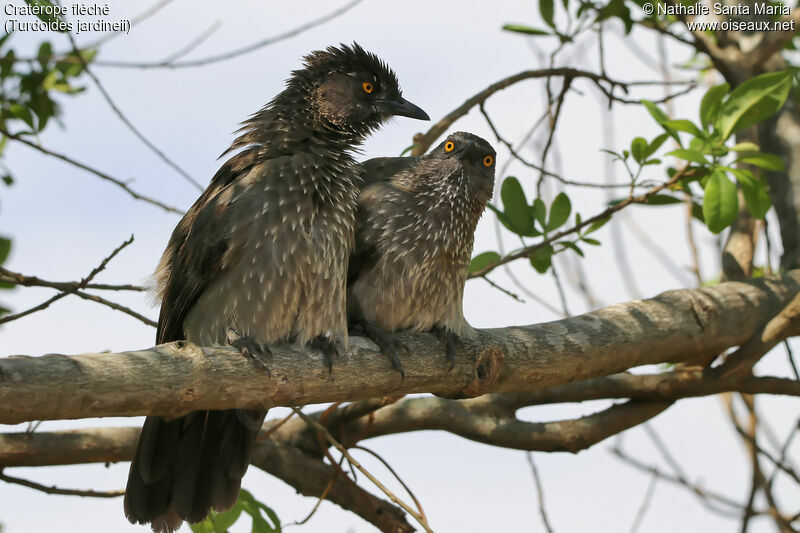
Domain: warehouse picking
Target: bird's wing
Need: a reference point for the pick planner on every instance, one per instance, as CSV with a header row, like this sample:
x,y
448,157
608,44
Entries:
x,y
377,183
382,169
196,249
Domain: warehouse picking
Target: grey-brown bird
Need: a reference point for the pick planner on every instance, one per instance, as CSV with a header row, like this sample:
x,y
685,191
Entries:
x,y
414,233
261,258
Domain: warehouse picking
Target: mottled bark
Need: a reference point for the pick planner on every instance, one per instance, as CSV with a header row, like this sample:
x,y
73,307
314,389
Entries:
x,y
173,379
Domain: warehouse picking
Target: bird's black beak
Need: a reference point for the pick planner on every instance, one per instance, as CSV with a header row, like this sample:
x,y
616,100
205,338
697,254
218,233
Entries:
x,y
403,108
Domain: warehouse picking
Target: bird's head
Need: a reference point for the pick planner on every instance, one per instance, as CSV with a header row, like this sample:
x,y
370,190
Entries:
x,y
352,90
469,156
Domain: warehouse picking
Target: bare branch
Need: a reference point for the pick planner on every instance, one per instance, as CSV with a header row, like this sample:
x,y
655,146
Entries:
x,y
117,111
238,51
528,250
32,281
81,285
102,175
56,490
417,516
72,287
785,324
177,378
539,492
423,141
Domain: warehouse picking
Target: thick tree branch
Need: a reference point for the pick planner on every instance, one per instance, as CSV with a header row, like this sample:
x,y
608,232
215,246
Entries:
x,y
305,472
177,378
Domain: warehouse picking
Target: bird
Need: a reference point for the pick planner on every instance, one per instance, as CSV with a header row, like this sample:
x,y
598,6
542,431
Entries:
x,y
261,258
415,227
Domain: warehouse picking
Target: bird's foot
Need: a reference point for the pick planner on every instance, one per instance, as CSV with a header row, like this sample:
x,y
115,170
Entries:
x,y
253,350
328,348
388,344
451,341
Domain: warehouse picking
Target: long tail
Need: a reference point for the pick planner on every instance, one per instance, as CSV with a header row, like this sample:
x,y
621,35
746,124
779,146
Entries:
x,y
184,467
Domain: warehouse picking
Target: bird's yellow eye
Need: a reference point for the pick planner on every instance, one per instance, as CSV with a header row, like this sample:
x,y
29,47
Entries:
x,y
488,160
367,86
448,146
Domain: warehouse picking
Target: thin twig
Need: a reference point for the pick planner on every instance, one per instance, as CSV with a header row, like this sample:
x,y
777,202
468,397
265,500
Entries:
x,y
706,496
560,288
238,51
528,250
102,175
32,281
125,120
81,285
648,497
56,490
397,477
194,43
423,141
664,258
373,479
138,19
115,306
539,492
516,155
322,496
790,355
503,290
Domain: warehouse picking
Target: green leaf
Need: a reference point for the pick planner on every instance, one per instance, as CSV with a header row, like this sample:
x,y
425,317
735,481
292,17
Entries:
x,y
540,212
574,247
684,125
201,527
697,212
757,198
753,101
720,202
407,149
593,242
546,10
560,210
7,65
755,194
639,149
481,261
617,8
661,118
656,113
709,106
515,206
5,249
527,30
655,144
765,161
541,259
689,155
663,199
45,52
745,147
22,113
596,225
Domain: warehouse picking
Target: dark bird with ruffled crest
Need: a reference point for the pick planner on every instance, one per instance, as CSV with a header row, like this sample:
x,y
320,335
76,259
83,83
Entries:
x,y
261,258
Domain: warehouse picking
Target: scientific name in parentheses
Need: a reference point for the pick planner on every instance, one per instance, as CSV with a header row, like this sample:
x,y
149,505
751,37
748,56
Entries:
x,y
699,9
56,23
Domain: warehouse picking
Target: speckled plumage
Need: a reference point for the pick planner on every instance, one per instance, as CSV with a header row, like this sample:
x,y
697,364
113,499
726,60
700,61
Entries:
x,y
261,256
414,235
